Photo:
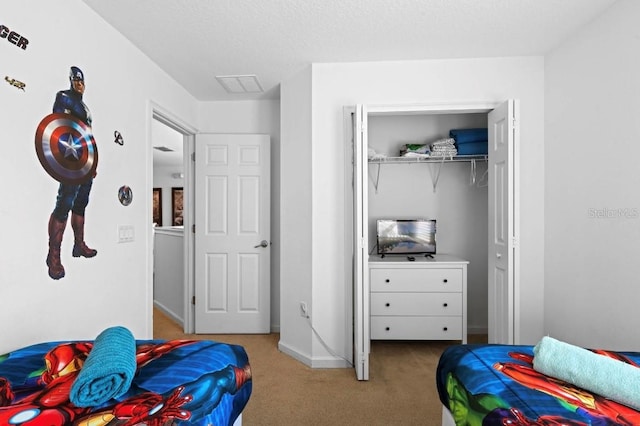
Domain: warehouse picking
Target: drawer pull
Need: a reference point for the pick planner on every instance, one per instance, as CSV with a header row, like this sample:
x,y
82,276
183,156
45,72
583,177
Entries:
x,y
444,328
445,280
387,328
387,304
445,304
387,280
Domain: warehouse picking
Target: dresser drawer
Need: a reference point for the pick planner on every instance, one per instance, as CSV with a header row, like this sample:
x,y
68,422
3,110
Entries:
x,y
434,304
416,279
416,328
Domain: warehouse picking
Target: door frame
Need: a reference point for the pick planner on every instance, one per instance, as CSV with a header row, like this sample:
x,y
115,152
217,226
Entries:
x,y
163,115
427,108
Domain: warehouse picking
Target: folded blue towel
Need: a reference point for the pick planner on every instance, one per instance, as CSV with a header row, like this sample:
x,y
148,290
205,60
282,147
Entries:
x,y
469,135
607,377
108,370
473,148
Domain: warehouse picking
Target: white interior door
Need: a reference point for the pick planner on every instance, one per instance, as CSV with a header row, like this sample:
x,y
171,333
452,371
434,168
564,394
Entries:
x,y
503,132
361,327
232,233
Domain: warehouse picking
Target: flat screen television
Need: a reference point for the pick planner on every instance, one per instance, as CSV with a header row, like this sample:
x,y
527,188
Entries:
x,y
406,236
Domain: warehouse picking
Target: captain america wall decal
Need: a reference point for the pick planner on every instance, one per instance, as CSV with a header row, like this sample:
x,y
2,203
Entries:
x,y
125,195
68,153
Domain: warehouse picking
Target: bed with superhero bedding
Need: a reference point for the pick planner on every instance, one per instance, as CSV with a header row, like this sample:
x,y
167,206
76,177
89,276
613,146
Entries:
x,y
551,383
117,380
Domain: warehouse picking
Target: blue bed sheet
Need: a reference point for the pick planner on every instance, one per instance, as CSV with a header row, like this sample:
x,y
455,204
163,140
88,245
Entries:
x,y
484,385
176,382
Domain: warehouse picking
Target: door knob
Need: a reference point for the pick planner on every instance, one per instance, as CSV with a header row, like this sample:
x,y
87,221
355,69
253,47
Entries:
x,y
263,243
499,255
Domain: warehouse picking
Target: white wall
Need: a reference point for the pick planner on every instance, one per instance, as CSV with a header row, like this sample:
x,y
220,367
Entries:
x,y
441,191
168,272
592,214
115,286
337,85
296,215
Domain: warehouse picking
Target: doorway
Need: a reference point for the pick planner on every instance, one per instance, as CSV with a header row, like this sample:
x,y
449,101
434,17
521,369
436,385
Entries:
x,y
172,179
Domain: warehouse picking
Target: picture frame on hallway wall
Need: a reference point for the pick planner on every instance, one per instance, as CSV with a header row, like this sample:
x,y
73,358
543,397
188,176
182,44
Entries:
x,y
177,196
157,206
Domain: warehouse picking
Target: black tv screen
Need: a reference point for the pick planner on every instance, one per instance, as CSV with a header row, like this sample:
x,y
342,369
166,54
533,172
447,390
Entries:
x,y
406,236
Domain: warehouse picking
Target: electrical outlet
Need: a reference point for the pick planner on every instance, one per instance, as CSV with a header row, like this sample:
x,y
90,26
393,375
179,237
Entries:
x,y
303,309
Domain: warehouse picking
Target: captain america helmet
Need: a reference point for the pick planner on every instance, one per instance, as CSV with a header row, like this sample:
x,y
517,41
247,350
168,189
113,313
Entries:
x,y
76,74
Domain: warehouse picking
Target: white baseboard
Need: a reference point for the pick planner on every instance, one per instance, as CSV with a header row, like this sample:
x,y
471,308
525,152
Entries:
x,y
295,354
330,362
169,312
316,362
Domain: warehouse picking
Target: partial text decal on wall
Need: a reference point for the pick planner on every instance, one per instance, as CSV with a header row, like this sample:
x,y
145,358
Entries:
x,y
13,37
15,83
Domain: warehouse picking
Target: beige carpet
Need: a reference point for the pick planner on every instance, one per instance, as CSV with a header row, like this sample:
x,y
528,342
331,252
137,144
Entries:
x,y
401,389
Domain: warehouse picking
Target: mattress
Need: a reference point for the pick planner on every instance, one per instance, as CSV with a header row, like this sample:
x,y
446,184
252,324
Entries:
x,y
497,385
176,382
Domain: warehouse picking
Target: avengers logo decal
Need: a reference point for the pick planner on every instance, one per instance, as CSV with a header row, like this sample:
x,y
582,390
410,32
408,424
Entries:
x,y
66,148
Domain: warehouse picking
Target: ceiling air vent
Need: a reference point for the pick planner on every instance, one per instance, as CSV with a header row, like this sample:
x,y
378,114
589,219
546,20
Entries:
x,y
236,84
163,148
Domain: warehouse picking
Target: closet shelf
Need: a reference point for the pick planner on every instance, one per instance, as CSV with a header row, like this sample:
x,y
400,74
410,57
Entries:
x,y
435,174
403,160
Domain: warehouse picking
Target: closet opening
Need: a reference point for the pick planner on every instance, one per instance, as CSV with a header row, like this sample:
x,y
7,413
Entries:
x,y
457,192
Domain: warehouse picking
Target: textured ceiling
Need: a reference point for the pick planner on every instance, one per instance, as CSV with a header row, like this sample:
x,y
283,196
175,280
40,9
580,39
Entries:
x,y
195,40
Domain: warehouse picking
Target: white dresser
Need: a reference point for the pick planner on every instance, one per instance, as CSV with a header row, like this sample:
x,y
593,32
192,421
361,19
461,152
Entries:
x,y
424,299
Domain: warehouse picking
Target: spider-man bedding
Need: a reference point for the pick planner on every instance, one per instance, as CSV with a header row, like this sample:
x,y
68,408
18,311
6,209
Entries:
x,y
497,385
175,382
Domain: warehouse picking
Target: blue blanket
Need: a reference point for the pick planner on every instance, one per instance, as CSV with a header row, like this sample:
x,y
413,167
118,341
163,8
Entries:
x,y
463,136
109,369
600,374
201,383
494,384
473,148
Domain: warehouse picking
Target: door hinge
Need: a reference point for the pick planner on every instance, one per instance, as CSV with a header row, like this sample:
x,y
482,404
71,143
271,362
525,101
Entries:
x,y
193,156
193,228
193,300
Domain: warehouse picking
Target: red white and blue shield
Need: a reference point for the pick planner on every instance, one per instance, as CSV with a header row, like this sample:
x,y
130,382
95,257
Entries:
x,y
66,148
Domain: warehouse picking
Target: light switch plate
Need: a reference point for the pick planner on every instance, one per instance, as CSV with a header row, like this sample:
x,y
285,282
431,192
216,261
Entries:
x,y
126,233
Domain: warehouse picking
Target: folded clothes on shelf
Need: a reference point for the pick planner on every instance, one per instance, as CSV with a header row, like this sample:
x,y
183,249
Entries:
x,y
443,148
414,150
462,136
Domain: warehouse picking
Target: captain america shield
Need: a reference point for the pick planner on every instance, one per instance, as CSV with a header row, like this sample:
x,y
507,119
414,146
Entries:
x,y
66,148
